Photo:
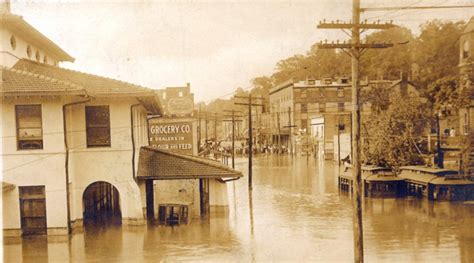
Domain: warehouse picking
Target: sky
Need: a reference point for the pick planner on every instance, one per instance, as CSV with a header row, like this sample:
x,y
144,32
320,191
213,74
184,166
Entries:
x,y
216,46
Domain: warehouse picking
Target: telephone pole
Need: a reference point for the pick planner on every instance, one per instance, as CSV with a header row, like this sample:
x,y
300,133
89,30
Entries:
x,y
199,129
355,49
250,141
279,132
291,126
233,120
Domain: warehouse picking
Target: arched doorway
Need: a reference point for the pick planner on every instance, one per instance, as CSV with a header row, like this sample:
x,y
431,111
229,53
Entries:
x,y
101,204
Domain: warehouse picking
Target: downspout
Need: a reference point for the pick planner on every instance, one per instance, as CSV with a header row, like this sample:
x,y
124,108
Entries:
x,y
66,162
133,140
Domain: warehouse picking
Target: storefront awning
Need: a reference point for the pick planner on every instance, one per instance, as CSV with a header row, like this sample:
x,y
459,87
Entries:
x,y
164,165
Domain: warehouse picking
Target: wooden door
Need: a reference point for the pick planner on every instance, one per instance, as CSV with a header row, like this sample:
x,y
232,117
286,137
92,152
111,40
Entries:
x,y
33,210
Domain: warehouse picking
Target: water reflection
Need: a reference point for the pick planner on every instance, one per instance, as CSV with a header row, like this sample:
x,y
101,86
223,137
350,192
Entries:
x,y
294,213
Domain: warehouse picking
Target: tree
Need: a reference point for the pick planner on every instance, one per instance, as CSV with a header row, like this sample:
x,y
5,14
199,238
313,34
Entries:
x,y
388,63
436,51
393,136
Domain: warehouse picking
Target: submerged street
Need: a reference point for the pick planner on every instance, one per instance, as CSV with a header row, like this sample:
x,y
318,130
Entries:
x,y
294,213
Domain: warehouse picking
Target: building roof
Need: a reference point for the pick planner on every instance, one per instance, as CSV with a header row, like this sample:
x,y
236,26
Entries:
x,y
423,178
373,173
20,27
17,82
429,170
95,85
469,27
447,181
164,165
32,78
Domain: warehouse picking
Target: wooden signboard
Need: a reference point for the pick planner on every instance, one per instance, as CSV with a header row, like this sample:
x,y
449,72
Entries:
x,y
173,134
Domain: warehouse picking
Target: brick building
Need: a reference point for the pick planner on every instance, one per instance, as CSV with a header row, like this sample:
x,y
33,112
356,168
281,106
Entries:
x,y
301,104
177,101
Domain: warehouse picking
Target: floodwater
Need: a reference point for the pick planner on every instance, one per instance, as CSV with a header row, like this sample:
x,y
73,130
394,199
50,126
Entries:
x,y
295,213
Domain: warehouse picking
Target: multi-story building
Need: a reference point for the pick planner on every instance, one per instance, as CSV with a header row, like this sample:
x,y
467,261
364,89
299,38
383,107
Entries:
x,y
73,145
299,107
177,101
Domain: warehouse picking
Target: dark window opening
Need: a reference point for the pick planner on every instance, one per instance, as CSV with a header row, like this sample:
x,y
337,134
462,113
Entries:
x,y
98,126
340,106
304,108
29,127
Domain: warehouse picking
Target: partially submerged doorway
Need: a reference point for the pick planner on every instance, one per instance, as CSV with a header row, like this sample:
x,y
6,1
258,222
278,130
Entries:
x,y
101,203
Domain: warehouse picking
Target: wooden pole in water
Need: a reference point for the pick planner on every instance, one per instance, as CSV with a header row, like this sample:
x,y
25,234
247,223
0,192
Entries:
x,y
356,172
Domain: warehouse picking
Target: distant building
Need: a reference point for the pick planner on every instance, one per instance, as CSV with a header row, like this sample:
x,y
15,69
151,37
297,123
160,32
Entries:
x,y
301,107
466,76
177,101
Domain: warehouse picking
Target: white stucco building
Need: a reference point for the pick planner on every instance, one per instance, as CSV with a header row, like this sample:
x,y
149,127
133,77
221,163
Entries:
x,y
71,142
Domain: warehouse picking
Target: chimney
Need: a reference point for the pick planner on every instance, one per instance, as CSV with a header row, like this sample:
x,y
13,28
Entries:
x,y
5,7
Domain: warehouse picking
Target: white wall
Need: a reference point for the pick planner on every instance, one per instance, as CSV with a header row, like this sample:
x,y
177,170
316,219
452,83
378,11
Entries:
x,y
110,164
9,56
184,192
34,167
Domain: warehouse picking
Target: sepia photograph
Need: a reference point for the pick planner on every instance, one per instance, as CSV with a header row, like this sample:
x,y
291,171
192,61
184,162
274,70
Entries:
x,y
237,131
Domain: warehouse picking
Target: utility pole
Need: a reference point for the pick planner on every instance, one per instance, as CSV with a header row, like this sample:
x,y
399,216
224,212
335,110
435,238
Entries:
x,y
199,129
291,129
279,132
249,104
215,126
233,135
355,49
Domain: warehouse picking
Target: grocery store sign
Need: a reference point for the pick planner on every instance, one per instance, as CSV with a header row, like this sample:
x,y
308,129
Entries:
x,y
170,135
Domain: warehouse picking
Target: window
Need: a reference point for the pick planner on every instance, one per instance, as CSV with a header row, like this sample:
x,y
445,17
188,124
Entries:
x,y
304,93
98,126
304,123
29,127
28,51
465,50
322,107
304,108
340,106
13,42
45,60
38,56
321,92
340,92
466,124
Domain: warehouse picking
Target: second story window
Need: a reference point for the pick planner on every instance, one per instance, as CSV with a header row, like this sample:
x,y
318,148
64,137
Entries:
x,y
304,108
28,51
304,94
38,56
98,126
340,92
29,127
340,106
13,42
322,107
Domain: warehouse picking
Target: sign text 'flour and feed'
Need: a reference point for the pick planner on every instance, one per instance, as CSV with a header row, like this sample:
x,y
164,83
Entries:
x,y
172,136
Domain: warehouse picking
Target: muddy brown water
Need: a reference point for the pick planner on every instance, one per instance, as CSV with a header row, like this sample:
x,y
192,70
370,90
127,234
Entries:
x,y
295,213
